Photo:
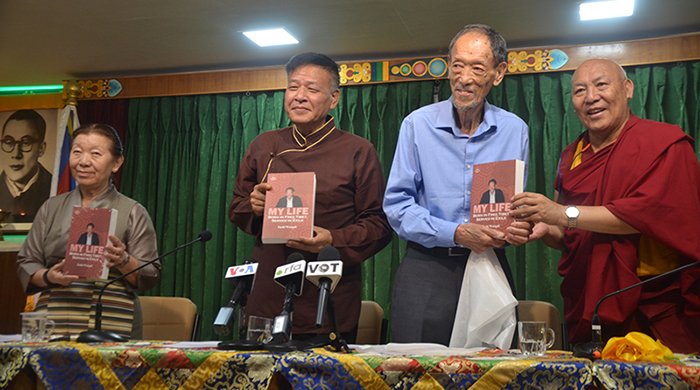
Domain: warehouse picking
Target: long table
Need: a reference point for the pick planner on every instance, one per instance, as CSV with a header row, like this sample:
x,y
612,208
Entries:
x,y
155,365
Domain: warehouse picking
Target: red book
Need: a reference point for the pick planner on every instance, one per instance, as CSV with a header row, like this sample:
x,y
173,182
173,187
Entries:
x,y
493,184
88,236
289,207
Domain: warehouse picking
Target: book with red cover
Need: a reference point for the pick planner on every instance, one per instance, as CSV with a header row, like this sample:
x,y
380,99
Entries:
x,y
289,207
88,236
490,205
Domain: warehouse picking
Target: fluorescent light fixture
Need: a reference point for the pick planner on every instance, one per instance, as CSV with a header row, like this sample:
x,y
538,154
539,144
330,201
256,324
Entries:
x,y
31,90
606,9
274,37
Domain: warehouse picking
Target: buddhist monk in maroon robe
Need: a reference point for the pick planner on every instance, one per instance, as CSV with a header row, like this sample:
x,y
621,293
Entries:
x,y
626,209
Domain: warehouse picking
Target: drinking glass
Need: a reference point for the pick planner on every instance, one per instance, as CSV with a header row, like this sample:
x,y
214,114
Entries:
x,y
259,329
36,326
533,337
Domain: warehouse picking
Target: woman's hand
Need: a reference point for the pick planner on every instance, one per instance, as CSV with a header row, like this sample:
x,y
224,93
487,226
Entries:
x,y
118,257
55,275
116,252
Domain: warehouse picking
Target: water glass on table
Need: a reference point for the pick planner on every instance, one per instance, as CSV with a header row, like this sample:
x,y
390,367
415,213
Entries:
x,y
259,329
36,326
533,337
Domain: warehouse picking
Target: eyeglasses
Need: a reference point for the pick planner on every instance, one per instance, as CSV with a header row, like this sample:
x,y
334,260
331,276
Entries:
x,y
25,143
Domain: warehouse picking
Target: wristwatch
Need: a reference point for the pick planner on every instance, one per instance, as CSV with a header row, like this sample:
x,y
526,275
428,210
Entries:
x,y
572,213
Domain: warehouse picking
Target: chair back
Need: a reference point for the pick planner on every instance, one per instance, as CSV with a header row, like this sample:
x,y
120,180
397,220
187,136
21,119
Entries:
x,y
371,327
543,311
169,318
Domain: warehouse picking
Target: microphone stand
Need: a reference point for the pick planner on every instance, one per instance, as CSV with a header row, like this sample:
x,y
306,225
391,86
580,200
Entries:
x,y
242,344
282,341
333,341
593,349
337,344
98,335
242,326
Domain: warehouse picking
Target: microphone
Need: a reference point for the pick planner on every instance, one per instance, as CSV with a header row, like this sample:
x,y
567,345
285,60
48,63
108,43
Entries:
x,y
97,335
291,276
325,273
245,275
593,349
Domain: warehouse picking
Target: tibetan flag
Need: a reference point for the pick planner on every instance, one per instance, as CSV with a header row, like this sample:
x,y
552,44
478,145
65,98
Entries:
x,y
62,180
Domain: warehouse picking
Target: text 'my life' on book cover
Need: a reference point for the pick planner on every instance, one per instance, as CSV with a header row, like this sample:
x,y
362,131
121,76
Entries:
x,y
88,236
289,207
493,184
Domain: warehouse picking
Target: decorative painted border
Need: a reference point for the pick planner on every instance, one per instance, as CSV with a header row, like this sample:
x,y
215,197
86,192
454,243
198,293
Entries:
x,y
520,61
538,60
378,71
436,67
101,88
393,70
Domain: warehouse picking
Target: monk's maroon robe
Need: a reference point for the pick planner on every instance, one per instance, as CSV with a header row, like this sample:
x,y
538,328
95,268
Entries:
x,y
649,178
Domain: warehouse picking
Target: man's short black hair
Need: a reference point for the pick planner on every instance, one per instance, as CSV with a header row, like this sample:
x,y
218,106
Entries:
x,y
492,180
317,59
91,224
289,188
35,121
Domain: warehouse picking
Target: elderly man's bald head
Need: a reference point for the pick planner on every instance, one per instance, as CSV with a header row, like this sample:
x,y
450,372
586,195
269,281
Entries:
x,y
599,92
610,64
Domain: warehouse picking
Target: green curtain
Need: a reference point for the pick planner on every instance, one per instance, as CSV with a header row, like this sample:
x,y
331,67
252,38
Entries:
x,y
183,153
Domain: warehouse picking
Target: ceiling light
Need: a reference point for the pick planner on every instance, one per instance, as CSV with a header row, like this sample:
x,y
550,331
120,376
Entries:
x,y
606,9
273,37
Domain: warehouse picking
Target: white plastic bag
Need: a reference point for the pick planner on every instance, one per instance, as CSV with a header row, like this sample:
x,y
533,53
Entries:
x,y
485,314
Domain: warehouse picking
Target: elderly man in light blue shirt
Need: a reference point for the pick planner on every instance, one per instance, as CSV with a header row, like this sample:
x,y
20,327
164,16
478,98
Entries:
x,y
428,195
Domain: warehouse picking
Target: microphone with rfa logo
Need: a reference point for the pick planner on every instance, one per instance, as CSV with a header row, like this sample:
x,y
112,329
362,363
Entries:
x,y
325,273
244,276
291,277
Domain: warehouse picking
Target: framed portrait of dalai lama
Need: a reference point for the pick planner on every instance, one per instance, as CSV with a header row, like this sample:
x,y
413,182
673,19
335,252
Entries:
x,y
27,160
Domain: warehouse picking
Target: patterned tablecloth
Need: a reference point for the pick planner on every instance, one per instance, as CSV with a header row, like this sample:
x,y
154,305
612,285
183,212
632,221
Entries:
x,y
145,365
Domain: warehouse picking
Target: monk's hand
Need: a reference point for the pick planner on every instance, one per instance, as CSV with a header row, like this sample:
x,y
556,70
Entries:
x,y
540,230
116,252
478,238
531,207
321,239
519,232
56,275
257,198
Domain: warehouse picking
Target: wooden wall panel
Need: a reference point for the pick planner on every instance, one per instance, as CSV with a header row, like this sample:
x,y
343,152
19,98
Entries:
x,y
531,60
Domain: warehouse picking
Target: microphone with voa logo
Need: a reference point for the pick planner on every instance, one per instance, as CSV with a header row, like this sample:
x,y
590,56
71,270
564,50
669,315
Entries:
x,y
245,276
97,335
291,277
593,349
325,273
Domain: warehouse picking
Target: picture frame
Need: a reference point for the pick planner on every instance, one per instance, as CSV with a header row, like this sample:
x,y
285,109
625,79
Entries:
x,y
25,175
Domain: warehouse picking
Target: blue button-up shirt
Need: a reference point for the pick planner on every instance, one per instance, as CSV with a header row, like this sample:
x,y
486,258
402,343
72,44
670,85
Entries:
x,y
428,194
